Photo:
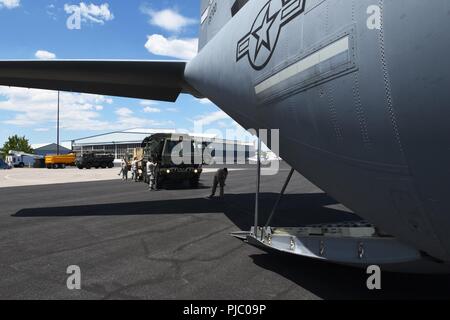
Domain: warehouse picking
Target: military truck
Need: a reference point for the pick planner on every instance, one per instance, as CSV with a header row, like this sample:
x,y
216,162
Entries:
x,y
96,160
179,159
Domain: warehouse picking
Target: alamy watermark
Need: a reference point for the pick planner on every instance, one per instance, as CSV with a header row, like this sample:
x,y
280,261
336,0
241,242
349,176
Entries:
x,y
374,280
214,148
74,280
374,21
87,13
74,20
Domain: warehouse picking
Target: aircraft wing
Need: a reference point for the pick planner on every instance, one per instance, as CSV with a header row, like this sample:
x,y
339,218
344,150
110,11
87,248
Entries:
x,y
153,80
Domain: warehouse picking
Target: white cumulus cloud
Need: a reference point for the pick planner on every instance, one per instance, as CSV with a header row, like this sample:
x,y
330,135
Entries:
x,y
185,49
32,107
79,112
149,106
210,118
168,19
127,119
45,55
203,101
124,112
9,4
148,103
152,110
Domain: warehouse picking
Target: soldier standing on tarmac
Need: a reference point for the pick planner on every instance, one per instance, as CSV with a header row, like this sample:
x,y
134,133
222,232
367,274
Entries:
x,y
124,169
134,170
122,164
152,173
219,179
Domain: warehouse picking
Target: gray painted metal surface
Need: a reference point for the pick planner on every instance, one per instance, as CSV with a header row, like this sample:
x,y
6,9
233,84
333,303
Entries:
x,y
117,78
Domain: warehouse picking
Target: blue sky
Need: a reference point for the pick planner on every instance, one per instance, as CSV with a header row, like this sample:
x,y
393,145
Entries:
x,y
110,29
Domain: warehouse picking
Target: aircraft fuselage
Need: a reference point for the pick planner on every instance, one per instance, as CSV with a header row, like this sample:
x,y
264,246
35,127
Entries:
x,y
359,90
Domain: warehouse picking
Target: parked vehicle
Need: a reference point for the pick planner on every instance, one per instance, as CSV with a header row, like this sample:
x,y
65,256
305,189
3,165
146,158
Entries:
x,y
60,162
95,160
161,147
4,165
20,159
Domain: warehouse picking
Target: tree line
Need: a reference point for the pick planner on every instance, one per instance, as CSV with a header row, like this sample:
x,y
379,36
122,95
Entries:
x,y
16,143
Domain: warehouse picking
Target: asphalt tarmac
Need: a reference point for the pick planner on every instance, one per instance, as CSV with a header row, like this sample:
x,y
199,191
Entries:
x,y
174,244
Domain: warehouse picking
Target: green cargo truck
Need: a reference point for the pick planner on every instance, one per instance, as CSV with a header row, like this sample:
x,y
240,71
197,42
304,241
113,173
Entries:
x,y
179,159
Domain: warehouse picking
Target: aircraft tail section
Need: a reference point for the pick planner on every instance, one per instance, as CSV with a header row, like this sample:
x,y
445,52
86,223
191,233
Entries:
x,y
214,15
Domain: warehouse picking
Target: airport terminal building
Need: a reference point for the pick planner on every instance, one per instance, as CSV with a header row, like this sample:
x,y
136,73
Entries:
x,y
121,143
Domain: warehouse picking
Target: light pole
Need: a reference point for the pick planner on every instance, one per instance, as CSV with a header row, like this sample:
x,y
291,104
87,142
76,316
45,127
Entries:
x,y
57,129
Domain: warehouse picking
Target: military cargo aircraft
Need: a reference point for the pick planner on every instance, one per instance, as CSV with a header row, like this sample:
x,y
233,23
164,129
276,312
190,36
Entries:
x,y
360,90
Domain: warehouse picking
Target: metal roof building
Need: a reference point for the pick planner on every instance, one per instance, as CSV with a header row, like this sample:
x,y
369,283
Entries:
x,y
118,143
51,148
119,137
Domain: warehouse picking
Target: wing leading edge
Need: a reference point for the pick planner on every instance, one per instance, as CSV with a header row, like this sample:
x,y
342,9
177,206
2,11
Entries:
x,y
154,80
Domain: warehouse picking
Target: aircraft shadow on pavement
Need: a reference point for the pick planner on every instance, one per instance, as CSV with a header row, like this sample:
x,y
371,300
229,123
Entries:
x,y
179,186
175,186
335,282
294,209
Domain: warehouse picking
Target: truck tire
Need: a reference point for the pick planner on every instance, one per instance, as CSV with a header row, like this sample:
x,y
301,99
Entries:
x,y
55,166
80,167
88,166
111,165
104,166
49,166
194,182
21,165
159,182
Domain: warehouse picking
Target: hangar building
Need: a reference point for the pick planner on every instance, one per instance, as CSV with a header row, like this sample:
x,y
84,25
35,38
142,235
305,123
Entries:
x,y
121,143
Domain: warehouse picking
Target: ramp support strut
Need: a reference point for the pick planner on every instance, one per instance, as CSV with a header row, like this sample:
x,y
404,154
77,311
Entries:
x,y
258,184
286,183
